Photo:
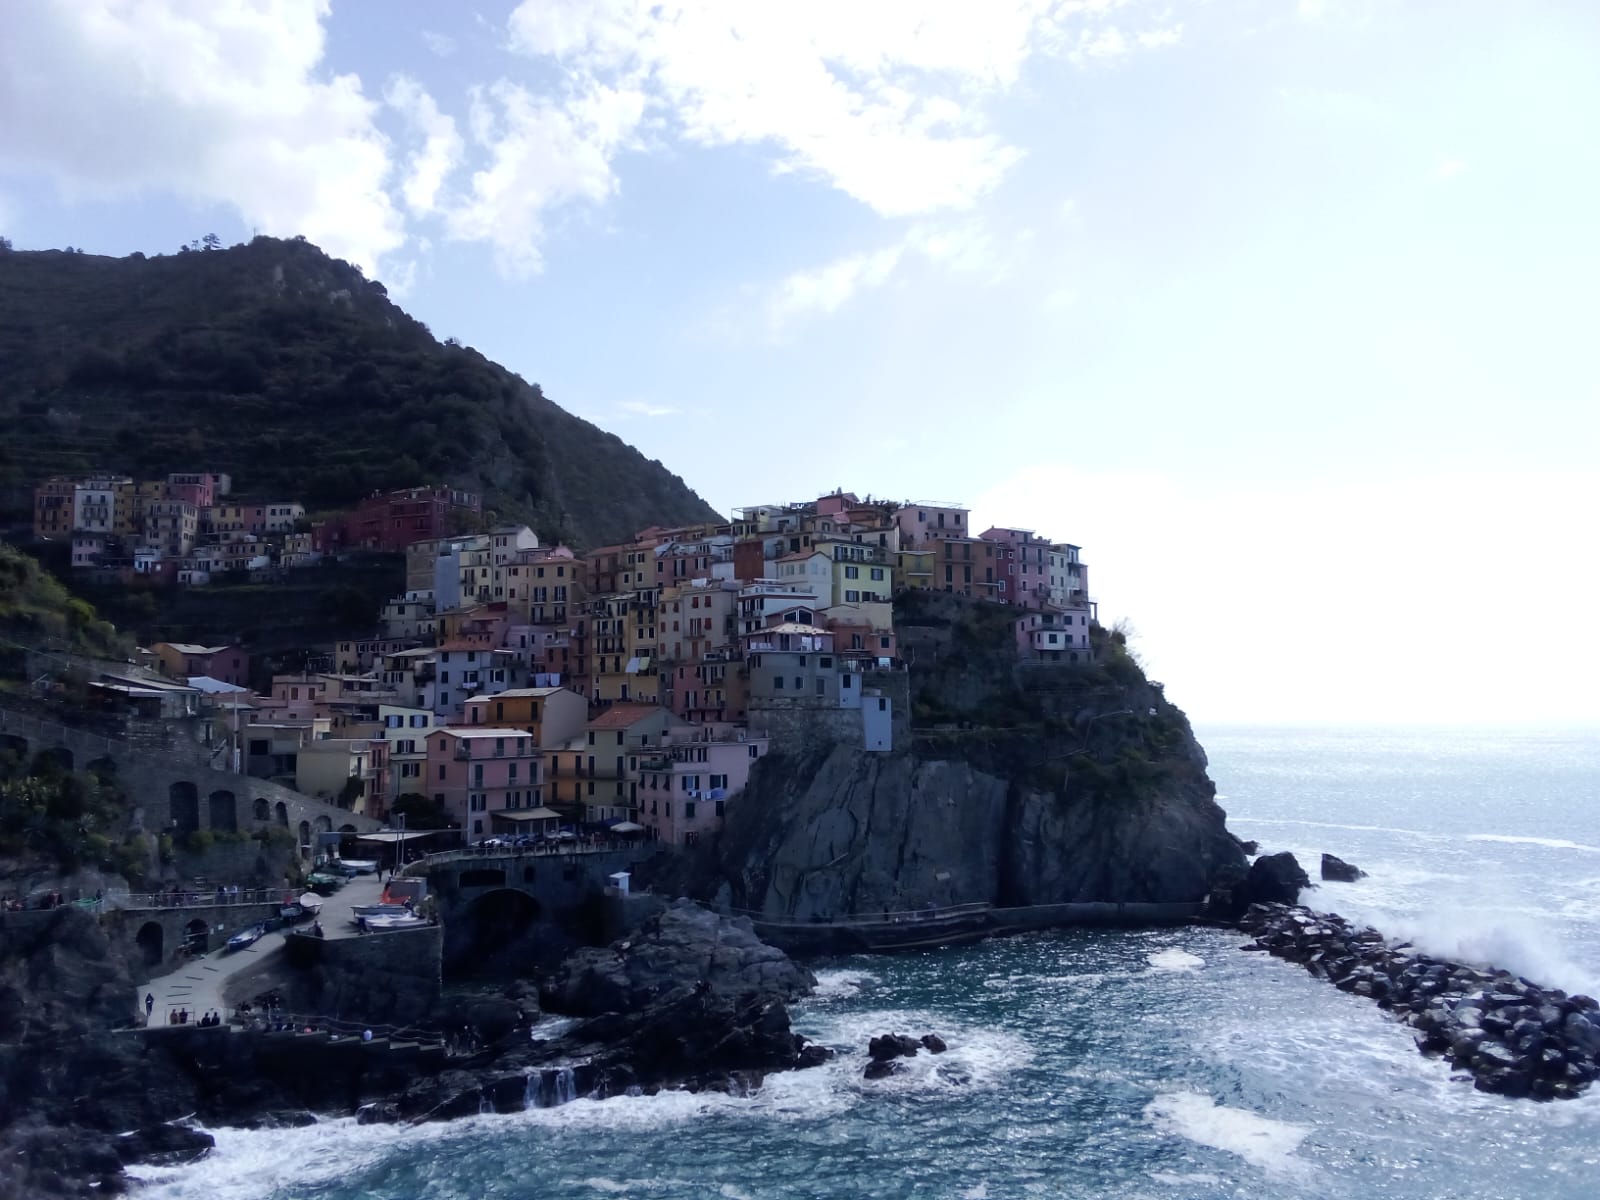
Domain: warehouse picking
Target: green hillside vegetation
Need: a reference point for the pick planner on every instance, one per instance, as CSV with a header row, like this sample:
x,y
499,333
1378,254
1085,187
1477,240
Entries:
x,y
37,612
294,374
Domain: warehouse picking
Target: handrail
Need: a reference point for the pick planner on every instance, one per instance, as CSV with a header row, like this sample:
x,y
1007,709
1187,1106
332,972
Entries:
x,y
190,899
547,850
858,920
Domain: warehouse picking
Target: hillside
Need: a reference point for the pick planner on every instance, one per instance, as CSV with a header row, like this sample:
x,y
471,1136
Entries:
x,y
294,374
37,612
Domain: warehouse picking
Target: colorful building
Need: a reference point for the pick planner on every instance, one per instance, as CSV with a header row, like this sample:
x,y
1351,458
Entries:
x,y
475,772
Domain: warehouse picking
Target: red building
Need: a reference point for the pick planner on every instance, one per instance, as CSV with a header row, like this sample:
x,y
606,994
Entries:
x,y
393,520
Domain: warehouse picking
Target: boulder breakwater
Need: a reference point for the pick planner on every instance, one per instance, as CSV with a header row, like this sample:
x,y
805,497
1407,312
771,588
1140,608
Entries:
x,y
1511,1036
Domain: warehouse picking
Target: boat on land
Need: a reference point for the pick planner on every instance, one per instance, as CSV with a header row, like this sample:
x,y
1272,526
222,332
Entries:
x,y
357,866
402,920
323,883
246,937
380,910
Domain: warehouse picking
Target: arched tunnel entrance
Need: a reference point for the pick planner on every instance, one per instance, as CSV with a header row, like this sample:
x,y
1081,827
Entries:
x,y
498,932
151,940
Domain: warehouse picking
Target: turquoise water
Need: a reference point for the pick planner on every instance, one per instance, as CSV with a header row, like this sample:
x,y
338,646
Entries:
x,y
1145,1064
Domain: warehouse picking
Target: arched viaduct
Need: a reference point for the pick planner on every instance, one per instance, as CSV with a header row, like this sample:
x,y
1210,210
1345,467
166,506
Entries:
x,y
173,794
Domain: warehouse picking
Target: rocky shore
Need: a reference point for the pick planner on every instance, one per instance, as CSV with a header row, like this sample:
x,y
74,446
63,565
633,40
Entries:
x,y
1511,1036
690,1000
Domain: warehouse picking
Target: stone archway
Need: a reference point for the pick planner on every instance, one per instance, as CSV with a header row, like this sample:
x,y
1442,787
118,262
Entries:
x,y
500,924
281,811
223,814
183,804
13,755
347,829
260,809
324,825
151,940
305,835
53,760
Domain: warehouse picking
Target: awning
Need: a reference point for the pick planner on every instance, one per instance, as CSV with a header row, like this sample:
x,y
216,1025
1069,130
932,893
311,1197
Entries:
x,y
627,827
391,836
526,814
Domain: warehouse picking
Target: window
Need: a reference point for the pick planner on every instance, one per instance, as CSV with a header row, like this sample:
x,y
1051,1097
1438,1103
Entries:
x,y
718,781
755,751
883,705
688,809
441,770
821,687
721,807
877,573
852,572
777,682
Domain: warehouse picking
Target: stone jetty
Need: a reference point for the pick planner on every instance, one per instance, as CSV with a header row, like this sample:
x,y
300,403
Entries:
x,y
1512,1036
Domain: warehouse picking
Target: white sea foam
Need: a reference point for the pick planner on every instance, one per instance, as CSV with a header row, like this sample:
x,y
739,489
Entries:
x,y
1183,1179
842,984
978,1191
1548,843
1174,960
1258,1140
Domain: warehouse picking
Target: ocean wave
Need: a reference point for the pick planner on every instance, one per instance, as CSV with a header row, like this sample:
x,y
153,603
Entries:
x,y
1548,843
842,984
1260,1141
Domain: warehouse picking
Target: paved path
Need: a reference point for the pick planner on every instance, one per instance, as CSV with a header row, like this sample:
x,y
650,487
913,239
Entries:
x,y
197,984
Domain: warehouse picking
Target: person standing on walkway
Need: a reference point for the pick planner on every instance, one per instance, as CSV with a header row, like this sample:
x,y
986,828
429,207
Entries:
x,y
149,1005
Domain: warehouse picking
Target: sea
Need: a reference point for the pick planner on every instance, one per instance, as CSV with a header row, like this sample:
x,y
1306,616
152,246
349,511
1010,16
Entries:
x,y
1163,1064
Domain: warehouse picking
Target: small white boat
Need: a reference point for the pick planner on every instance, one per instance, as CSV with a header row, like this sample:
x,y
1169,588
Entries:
x,y
402,921
357,866
380,910
311,902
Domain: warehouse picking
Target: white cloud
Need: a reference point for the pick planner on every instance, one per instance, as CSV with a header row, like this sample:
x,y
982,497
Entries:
x,y
440,151
1449,168
541,154
827,288
221,101
643,408
440,44
885,101
966,246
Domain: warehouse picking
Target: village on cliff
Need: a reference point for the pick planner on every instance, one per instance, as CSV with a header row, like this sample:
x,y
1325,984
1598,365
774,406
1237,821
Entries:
x,y
518,690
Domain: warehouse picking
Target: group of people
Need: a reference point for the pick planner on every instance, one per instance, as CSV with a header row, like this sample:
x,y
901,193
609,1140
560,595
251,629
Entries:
x,y
176,897
181,1017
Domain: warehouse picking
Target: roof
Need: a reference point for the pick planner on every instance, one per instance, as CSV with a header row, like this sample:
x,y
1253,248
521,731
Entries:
x,y
519,694
622,716
191,648
213,686
789,627
802,554
481,731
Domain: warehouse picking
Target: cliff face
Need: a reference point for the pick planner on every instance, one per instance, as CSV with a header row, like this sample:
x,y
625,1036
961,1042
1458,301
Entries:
x,y
1020,786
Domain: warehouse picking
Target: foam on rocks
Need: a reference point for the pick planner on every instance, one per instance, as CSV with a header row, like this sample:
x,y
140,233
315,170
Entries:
x,y
1510,1035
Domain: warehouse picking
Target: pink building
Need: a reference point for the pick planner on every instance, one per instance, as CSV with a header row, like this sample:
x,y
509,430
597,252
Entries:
x,y
686,786
921,524
480,771
1023,564
1054,636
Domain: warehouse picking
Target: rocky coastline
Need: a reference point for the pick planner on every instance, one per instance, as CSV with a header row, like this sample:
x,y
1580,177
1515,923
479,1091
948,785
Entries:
x,y
690,1000
1507,1034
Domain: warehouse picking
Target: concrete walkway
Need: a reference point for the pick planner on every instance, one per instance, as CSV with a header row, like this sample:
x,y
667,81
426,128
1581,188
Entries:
x,y
197,985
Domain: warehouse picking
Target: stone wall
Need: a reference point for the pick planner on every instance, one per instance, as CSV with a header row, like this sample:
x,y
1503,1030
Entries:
x,y
149,956
390,978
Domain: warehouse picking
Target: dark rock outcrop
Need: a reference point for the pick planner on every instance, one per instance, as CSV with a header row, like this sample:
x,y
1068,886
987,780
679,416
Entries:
x,y
683,946
1512,1036
1339,871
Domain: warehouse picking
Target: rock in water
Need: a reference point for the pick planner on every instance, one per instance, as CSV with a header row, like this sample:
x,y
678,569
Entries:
x,y
683,946
1275,879
934,1043
1340,871
892,1045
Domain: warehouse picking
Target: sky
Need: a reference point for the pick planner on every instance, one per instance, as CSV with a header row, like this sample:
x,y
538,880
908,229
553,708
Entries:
x,y
1284,312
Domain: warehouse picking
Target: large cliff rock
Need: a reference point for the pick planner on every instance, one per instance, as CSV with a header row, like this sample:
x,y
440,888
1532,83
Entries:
x,y
1020,786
